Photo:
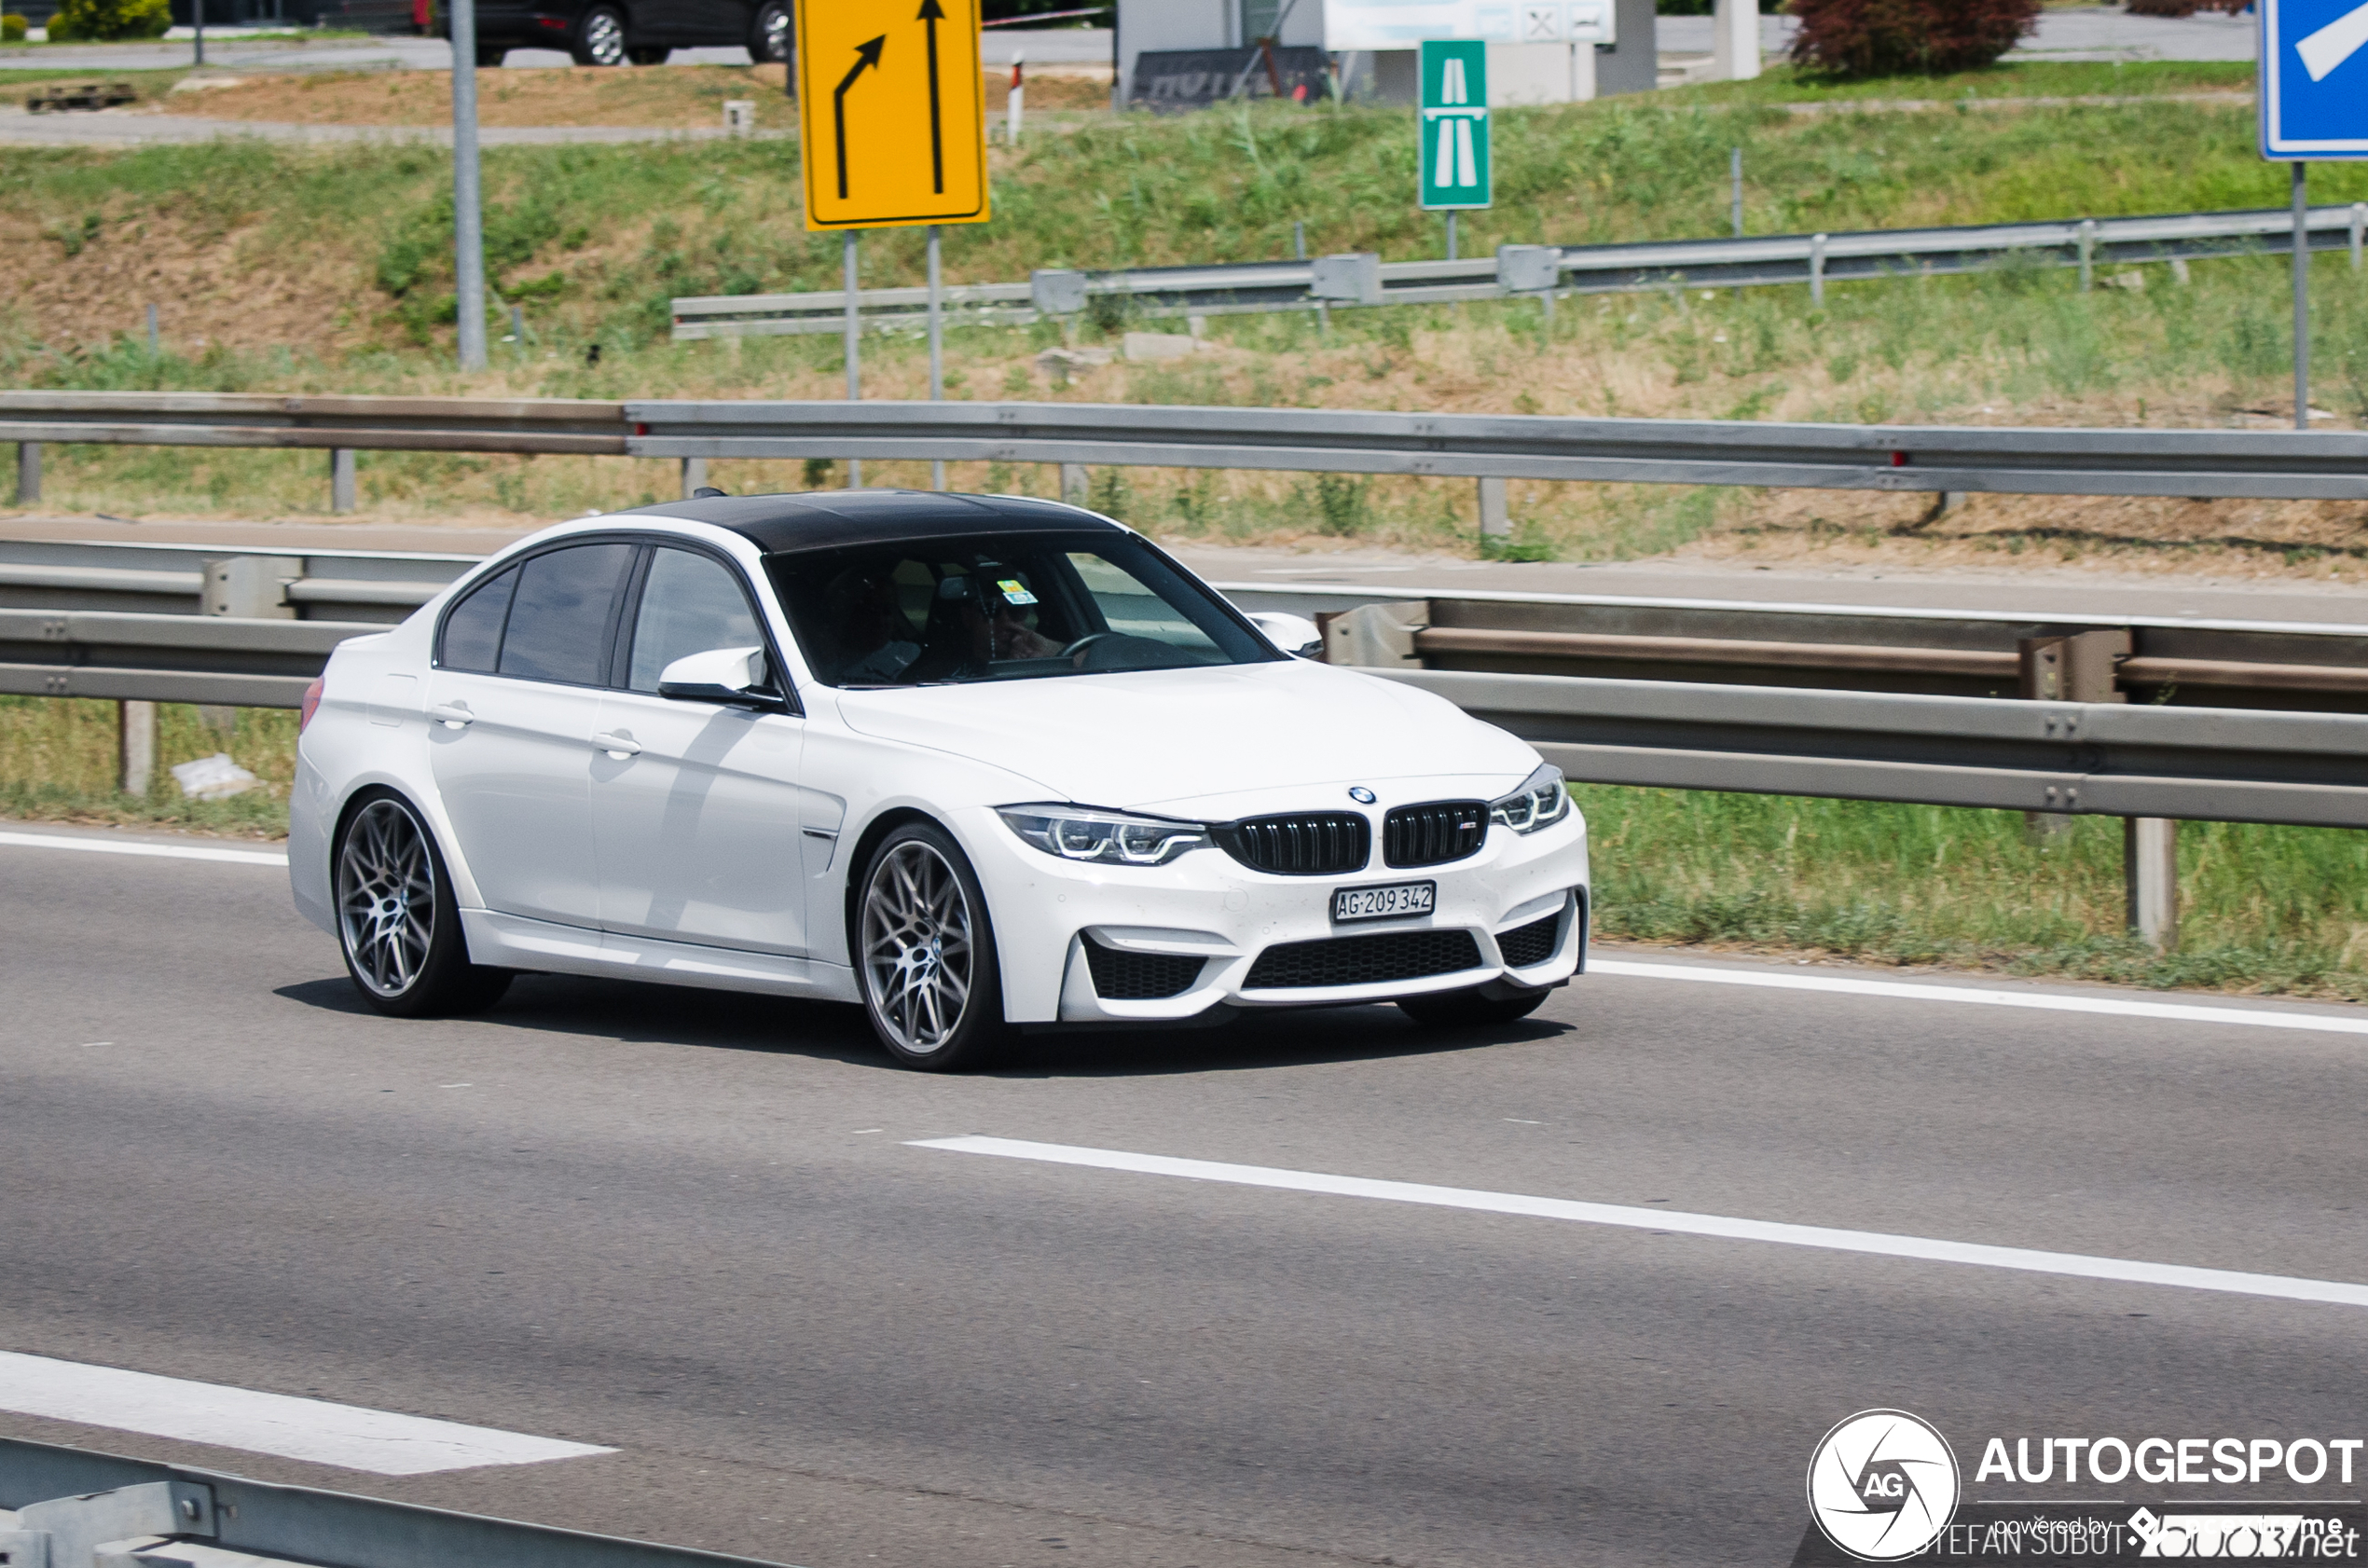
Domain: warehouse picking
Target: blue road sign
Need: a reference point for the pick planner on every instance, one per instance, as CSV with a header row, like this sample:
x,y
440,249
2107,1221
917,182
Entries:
x,y
2314,80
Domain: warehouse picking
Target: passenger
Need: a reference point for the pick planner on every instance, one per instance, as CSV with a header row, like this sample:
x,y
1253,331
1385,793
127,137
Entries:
x,y
875,638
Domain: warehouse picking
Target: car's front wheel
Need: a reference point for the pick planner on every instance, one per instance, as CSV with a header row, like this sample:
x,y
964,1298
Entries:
x,y
397,920
600,37
925,953
1448,1009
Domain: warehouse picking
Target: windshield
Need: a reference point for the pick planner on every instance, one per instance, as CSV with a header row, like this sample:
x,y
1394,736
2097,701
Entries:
x,y
1011,607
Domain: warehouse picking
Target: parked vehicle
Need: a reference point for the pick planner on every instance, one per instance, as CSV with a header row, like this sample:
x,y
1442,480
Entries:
x,y
636,32
973,762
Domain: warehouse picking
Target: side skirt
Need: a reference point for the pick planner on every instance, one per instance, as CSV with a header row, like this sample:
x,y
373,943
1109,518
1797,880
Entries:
x,y
512,942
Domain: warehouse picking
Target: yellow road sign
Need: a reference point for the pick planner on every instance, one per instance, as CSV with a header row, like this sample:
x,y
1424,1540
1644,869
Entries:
x,y
888,100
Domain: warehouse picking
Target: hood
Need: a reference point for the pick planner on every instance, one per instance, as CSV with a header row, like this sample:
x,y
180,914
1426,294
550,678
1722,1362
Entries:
x,y
1170,734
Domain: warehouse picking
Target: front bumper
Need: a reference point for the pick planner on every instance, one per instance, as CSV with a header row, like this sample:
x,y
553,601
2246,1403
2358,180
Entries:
x,y
1208,908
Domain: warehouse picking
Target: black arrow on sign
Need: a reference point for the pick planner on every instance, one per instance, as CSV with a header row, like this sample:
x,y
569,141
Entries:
x,y
865,54
932,14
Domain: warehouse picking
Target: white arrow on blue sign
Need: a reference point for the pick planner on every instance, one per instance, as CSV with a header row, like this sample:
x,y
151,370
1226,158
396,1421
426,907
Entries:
x,y
2314,80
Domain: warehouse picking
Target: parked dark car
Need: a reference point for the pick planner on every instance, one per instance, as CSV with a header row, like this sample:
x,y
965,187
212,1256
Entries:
x,y
634,31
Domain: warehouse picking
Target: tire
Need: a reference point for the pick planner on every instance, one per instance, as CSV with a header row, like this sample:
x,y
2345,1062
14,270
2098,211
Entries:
x,y
387,868
1443,1010
924,949
769,37
600,37
648,54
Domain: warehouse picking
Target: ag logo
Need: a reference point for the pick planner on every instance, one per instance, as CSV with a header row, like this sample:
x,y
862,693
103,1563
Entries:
x,y
1882,1485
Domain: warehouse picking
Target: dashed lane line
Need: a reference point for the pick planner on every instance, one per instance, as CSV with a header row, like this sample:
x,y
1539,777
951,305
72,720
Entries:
x,y
350,1436
2027,1259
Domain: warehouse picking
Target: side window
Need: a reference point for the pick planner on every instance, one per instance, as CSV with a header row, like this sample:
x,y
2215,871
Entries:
x,y
560,614
690,604
473,631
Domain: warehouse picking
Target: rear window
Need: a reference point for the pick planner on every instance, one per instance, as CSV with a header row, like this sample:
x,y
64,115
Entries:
x,y
560,614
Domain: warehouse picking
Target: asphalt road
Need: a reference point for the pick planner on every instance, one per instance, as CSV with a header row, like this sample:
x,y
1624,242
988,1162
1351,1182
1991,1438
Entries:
x,y
693,1227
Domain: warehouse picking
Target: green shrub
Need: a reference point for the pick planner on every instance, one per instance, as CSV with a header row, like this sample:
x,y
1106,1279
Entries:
x,y
12,29
106,20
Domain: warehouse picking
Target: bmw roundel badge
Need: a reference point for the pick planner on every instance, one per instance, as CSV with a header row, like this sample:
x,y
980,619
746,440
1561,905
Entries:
x,y
1360,794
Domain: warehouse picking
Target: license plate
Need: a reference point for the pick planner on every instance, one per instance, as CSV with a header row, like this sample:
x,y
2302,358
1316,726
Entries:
x,y
1384,903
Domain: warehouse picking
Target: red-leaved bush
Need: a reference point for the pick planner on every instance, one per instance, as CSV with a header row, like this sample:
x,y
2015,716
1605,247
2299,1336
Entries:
x,y
1892,37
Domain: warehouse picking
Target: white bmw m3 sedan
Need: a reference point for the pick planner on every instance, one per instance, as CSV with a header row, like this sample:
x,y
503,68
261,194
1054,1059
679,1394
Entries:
x,y
977,763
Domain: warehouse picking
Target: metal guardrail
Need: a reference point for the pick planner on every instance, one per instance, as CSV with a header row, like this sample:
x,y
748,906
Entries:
x,y
1490,447
2094,759
52,1488
1515,271
55,587
221,660
2266,465
2115,759
410,424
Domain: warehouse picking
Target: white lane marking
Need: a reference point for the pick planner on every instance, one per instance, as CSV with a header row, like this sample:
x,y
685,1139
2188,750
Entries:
x,y
2026,1258
2043,1001
163,851
346,1436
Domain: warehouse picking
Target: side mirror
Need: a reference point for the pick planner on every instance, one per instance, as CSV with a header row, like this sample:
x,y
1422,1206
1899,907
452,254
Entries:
x,y
1295,635
726,675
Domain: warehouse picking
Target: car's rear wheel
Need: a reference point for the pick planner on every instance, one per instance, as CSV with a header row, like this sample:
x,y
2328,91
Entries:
x,y
925,953
769,39
1448,1009
397,921
600,37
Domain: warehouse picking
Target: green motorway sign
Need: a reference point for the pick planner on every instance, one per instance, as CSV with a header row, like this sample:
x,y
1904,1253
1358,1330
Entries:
x,y
1455,123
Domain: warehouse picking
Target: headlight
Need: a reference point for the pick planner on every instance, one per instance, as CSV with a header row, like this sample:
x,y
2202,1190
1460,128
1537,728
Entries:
x,y
1108,837
1541,800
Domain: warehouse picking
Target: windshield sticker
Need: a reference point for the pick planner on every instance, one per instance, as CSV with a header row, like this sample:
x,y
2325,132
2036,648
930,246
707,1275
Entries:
x,y
1014,592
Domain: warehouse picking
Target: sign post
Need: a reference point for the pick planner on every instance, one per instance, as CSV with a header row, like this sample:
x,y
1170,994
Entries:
x,y
2314,107
1453,128
892,127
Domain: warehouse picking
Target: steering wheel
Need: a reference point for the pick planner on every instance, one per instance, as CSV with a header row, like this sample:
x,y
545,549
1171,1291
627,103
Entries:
x,y
1084,642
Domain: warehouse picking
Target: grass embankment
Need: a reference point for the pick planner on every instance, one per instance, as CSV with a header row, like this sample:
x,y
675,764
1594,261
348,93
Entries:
x,y
2263,909
60,765
301,270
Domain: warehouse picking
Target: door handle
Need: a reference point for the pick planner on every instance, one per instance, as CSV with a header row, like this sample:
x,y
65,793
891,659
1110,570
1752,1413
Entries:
x,y
452,715
619,746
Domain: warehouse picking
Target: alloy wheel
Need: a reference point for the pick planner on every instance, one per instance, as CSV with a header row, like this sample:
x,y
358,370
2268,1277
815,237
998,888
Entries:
x,y
917,948
604,38
773,32
386,897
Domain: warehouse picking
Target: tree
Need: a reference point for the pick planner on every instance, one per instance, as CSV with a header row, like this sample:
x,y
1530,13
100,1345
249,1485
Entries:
x,y
106,21
1892,37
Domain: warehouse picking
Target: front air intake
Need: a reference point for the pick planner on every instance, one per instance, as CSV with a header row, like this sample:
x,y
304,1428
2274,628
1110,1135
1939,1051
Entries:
x,y
1305,844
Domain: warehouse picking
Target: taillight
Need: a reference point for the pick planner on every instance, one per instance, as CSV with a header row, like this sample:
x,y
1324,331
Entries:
x,y
311,704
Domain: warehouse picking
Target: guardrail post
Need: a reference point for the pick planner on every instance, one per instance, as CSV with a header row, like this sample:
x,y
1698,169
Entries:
x,y
694,475
28,471
1496,519
341,480
2150,867
1817,272
2087,253
135,746
2359,231
1073,486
